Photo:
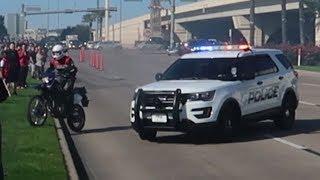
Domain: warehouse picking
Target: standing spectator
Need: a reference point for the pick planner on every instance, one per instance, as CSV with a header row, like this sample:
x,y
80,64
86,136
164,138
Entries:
x,y
24,62
39,61
33,61
11,68
44,58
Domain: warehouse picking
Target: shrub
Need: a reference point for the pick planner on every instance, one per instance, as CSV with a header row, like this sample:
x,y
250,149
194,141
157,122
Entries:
x,y
310,55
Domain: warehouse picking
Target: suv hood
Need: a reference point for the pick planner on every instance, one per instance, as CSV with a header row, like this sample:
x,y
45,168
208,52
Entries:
x,y
187,86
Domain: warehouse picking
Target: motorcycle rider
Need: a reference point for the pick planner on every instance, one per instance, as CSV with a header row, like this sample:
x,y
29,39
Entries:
x,y
65,66
65,74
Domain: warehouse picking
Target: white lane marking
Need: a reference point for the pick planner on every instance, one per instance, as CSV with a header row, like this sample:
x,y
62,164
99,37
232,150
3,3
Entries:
x,y
308,84
307,103
283,141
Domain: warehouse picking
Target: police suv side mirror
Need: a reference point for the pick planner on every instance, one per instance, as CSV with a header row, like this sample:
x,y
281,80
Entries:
x,y
159,76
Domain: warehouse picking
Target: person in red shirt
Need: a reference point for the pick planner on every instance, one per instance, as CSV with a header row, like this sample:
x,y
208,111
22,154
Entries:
x,y
24,67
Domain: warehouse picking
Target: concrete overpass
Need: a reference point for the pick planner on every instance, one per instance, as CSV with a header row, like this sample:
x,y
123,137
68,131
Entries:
x,y
215,18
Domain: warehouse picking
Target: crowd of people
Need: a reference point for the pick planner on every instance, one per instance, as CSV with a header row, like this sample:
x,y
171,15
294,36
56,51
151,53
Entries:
x,y
17,60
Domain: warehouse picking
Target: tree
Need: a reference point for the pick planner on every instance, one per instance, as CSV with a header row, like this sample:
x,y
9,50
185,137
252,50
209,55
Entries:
x,y
313,7
89,18
93,17
82,31
3,29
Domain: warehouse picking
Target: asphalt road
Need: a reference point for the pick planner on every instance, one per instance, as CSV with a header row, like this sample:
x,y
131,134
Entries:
x,y
110,149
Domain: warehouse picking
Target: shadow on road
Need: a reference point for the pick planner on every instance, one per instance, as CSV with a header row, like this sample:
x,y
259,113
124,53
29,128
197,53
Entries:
x,y
253,132
104,130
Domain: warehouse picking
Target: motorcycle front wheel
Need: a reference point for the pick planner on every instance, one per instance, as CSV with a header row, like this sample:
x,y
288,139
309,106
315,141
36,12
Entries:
x,y
37,111
76,120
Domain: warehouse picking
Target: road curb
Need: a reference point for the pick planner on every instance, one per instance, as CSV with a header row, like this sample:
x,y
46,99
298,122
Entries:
x,y
308,72
72,172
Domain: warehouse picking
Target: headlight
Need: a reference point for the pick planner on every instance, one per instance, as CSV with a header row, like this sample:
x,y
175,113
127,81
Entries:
x,y
135,94
45,80
203,96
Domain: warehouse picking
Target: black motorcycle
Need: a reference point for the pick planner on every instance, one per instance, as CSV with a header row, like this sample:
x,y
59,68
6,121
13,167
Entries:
x,y
55,101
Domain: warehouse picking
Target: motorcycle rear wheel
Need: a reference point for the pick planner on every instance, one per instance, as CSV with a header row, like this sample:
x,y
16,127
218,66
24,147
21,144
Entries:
x,y
37,111
77,118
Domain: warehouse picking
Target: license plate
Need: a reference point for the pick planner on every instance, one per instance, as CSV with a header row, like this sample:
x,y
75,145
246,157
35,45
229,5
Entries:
x,y
159,118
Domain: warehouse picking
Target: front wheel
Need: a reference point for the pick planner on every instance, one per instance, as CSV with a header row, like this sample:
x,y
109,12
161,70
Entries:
x,y
76,120
229,122
148,134
37,111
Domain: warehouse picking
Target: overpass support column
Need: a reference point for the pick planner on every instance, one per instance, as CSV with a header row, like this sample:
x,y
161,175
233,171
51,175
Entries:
x,y
182,33
317,30
242,23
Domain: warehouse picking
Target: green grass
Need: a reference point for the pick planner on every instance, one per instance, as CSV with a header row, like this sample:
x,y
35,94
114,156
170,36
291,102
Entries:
x,y
308,68
28,152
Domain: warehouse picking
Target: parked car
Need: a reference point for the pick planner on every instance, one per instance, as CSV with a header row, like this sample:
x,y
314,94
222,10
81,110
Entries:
x,y
74,44
90,44
107,45
154,43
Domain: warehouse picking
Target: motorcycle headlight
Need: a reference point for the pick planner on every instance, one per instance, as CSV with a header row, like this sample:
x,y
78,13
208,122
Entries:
x,y
45,80
202,96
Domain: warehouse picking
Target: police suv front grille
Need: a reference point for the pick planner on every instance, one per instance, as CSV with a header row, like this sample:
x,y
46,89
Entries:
x,y
158,100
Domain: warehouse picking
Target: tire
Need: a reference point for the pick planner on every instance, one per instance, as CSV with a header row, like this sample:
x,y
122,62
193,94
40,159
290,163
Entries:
x,y
37,111
229,121
286,119
76,120
148,134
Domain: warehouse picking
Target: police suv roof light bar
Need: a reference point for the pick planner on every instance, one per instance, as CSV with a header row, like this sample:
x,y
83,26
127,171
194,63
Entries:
x,y
243,47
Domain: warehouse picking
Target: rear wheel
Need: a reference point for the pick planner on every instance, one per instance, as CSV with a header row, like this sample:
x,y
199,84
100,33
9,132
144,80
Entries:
x,y
287,114
76,120
37,111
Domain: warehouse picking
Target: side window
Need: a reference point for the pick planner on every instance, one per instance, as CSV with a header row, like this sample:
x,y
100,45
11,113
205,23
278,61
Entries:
x,y
284,61
246,65
263,65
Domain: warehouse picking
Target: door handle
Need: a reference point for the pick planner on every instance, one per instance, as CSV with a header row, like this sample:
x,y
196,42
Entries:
x,y
259,83
281,77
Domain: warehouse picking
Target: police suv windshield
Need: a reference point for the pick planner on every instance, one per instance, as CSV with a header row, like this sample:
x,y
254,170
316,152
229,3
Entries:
x,y
198,69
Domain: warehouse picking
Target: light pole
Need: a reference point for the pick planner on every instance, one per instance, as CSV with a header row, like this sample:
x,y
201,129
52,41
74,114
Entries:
x,y
48,18
120,24
301,22
284,21
172,28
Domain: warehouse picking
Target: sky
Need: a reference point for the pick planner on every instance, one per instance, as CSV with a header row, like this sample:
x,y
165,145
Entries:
x,y
130,9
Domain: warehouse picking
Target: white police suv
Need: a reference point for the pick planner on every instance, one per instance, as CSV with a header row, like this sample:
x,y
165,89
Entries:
x,y
221,88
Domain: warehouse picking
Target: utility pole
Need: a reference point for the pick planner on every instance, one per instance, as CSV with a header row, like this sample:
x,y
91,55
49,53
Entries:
x,y
252,21
107,6
172,27
301,22
284,21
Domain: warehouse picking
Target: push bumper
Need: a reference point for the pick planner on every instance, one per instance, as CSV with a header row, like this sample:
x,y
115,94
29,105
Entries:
x,y
181,116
